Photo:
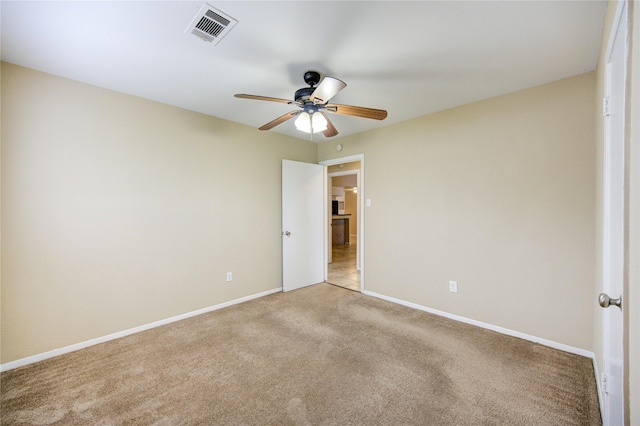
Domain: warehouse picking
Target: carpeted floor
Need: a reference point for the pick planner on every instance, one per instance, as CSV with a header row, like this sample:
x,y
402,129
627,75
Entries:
x,y
321,355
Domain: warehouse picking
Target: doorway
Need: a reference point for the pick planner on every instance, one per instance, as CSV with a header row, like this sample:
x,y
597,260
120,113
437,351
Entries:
x,y
344,227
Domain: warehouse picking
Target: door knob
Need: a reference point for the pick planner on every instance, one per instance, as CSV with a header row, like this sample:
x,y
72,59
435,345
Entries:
x,y
287,233
605,301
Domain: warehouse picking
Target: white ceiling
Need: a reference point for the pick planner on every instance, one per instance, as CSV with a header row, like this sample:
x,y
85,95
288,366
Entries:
x,y
411,58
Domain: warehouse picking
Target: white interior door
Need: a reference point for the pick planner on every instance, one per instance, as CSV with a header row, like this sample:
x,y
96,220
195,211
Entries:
x,y
303,218
613,235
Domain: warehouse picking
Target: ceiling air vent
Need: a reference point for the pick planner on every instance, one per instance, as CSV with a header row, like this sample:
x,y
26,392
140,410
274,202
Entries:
x,y
210,24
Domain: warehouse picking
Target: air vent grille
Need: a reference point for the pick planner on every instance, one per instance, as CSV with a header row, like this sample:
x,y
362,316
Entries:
x,y
211,24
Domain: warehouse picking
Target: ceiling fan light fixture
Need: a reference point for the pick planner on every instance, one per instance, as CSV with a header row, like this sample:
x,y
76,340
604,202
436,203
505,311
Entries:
x,y
312,101
319,123
311,123
303,122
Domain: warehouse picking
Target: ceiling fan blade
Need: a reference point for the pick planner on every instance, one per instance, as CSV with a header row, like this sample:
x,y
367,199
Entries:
x,y
331,129
279,120
376,114
263,98
327,89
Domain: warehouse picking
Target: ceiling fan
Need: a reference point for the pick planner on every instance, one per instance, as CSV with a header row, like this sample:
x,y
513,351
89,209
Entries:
x,y
313,104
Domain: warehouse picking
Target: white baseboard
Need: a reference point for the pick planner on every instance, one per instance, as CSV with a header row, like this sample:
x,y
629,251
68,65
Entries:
x,y
53,353
488,326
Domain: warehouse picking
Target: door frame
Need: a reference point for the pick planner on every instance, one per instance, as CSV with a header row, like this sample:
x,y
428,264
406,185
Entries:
x,y
361,218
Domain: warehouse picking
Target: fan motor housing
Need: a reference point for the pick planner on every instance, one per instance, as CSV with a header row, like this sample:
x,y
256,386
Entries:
x,y
312,77
303,94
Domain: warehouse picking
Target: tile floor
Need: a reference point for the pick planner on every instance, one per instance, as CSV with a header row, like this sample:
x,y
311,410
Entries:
x,y
342,271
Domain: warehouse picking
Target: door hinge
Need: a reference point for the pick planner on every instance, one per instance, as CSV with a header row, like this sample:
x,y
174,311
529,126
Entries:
x,y
606,112
603,382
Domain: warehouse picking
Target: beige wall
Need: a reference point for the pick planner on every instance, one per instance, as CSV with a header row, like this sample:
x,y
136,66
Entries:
x,y
351,207
344,181
118,211
499,196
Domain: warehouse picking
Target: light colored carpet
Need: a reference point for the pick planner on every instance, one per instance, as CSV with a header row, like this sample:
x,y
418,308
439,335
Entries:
x,y
321,355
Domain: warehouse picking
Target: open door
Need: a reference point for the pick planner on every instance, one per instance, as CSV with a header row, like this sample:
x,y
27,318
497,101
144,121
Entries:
x,y
612,298
303,219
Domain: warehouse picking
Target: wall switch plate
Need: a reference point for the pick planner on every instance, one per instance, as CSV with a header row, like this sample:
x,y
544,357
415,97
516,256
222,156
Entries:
x,y
368,202
453,286
229,276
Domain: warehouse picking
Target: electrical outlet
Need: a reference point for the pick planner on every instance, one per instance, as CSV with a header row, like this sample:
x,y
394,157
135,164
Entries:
x,y
229,276
453,286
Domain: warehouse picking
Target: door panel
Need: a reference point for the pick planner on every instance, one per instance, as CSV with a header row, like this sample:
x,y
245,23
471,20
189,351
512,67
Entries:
x,y
303,216
613,235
